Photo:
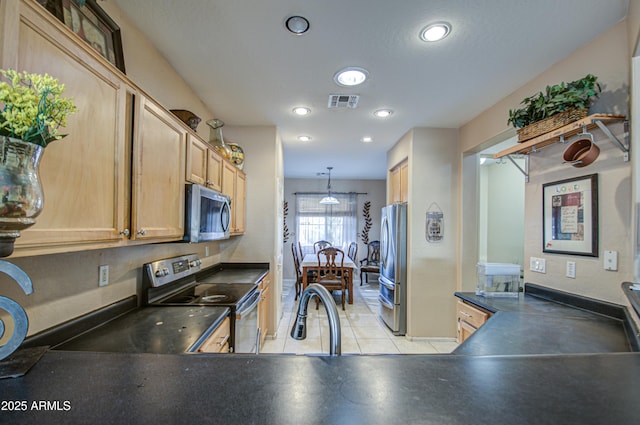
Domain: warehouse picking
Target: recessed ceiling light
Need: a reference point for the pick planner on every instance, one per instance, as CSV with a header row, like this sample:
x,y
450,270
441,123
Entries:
x,y
301,110
304,138
351,76
435,32
367,139
383,113
297,25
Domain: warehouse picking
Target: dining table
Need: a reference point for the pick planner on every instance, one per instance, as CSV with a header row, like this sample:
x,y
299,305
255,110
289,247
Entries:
x,y
310,261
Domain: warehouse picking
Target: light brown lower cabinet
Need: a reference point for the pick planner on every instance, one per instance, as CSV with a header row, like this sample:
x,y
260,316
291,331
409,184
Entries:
x,y
264,307
218,342
470,318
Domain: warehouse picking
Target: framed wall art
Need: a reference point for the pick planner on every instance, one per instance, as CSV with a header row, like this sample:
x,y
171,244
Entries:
x,y
92,24
570,216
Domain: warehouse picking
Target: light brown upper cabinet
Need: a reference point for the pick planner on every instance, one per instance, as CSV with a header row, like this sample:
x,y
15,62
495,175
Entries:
x,y
118,177
398,183
158,169
83,175
234,186
204,164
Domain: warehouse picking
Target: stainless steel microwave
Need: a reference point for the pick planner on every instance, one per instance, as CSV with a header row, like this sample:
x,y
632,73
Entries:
x,y
207,214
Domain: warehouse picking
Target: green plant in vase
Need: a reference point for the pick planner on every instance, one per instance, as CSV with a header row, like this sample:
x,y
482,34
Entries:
x,y
32,107
555,99
32,110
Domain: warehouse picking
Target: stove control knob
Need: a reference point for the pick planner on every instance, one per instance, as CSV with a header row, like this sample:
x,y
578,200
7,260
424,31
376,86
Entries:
x,y
162,272
195,263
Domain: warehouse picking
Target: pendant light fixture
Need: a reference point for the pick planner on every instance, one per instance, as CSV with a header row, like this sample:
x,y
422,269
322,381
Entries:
x,y
329,200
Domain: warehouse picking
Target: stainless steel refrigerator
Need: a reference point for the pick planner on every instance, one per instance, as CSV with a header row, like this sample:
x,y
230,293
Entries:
x,y
393,267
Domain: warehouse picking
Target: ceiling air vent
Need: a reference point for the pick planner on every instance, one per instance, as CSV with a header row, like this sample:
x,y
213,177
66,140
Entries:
x,y
343,101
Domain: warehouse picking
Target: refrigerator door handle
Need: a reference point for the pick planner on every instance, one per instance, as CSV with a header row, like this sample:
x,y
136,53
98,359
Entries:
x,y
385,302
384,241
387,283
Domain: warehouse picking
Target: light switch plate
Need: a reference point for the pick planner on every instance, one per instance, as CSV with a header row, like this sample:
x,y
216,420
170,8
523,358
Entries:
x,y
103,276
538,265
571,269
611,260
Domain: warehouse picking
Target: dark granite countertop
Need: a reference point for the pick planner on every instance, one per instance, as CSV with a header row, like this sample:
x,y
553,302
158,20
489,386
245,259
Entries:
x,y
531,325
153,389
234,273
165,329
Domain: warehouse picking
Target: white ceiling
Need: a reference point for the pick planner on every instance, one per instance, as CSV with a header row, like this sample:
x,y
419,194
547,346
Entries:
x,y
249,70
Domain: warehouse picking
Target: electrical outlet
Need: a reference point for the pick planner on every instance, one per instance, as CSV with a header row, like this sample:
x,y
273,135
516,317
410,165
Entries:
x,y
103,276
611,260
538,265
571,269
206,251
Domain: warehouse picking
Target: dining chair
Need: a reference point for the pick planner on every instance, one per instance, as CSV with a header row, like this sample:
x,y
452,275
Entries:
x,y
371,264
352,251
296,265
331,272
320,245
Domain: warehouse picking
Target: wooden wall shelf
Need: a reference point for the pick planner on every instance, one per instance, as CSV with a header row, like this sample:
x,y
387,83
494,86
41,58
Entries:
x,y
563,133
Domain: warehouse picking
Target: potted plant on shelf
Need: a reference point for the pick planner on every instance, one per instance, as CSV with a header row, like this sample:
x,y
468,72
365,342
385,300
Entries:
x,y
31,112
557,106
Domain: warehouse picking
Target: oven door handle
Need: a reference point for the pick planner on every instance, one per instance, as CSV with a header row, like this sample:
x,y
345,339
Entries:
x,y
250,305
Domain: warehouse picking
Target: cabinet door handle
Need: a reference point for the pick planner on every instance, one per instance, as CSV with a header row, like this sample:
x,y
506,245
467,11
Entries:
x,y
465,314
125,232
224,340
142,232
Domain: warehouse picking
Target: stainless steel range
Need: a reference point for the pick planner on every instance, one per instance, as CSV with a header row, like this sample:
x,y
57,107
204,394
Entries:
x,y
179,281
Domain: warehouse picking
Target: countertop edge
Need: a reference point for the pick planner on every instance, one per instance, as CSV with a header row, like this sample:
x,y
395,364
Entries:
x,y
424,388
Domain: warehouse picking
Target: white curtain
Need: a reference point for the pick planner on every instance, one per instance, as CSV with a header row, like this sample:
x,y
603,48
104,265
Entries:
x,y
337,224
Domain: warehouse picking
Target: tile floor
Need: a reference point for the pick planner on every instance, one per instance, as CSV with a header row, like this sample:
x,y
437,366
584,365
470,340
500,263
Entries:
x,y
363,332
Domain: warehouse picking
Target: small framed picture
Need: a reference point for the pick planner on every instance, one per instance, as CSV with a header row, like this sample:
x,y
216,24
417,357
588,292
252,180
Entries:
x,y
570,216
89,22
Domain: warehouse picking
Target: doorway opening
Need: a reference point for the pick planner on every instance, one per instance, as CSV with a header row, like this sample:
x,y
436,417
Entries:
x,y
493,201
501,207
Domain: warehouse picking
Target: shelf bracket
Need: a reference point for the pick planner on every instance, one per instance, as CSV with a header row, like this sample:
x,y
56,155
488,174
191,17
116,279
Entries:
x,y
524,171
624,148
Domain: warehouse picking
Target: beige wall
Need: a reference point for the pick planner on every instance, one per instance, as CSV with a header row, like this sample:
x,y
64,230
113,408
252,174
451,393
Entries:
x,y
607,57
431,267
66,285
615,208
259,145
633,27
262,241
153,73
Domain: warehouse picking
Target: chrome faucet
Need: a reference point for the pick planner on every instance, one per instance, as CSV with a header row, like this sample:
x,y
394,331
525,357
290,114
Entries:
x,y
299,330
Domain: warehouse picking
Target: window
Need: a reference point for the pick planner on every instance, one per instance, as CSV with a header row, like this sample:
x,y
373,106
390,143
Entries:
x,y
337,224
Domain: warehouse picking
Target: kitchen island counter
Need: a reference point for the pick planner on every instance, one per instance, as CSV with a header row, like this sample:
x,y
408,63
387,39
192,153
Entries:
x,y
547,321
153,389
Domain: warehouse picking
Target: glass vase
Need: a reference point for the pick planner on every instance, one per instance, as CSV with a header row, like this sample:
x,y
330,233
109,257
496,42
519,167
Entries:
x,y
21,196
215,137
